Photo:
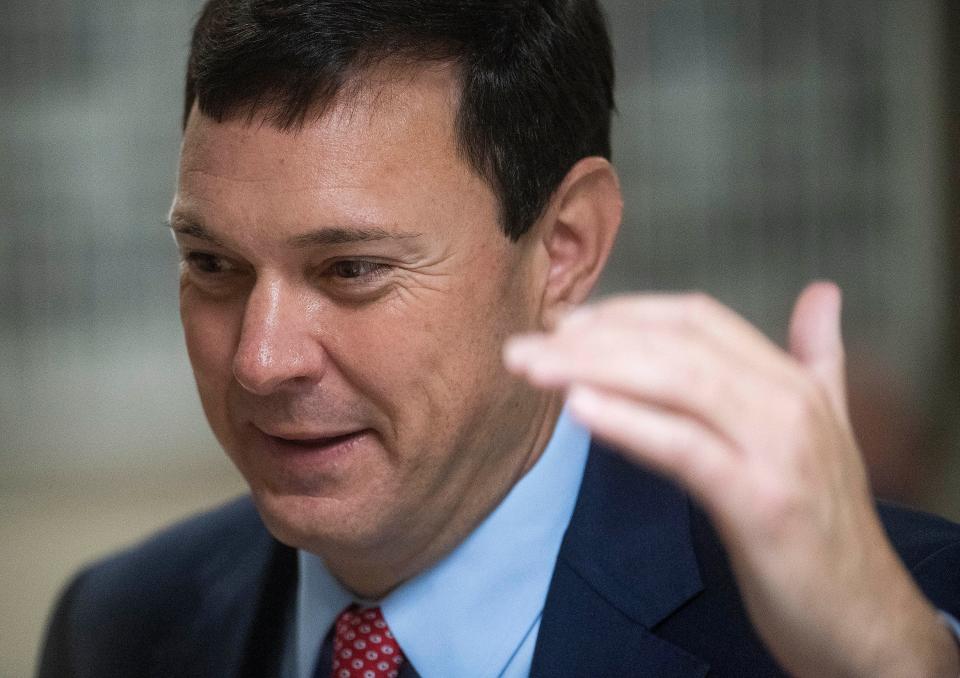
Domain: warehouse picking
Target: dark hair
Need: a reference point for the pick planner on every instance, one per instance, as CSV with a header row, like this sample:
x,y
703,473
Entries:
x,y
536,75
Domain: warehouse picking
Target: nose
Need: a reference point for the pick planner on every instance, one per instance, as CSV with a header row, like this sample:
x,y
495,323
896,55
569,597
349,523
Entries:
x,y
277,346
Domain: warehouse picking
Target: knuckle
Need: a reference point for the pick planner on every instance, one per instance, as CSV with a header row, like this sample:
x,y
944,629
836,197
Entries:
x,y
778,504
688,445
800,405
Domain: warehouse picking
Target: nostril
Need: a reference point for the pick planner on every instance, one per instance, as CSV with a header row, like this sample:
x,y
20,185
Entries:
x,y
277,343
291,358
255,367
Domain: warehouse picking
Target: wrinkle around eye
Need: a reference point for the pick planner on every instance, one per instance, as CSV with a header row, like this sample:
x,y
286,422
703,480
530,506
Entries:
x,y
417,285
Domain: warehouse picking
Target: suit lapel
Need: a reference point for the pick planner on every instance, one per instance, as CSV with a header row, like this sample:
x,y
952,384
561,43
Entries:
x,y
242,608
626,563
268,634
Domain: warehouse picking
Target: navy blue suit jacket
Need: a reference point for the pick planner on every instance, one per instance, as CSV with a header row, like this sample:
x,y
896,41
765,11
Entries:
x,y
641,587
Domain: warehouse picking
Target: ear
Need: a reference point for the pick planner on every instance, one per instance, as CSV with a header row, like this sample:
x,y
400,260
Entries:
x,y
577,233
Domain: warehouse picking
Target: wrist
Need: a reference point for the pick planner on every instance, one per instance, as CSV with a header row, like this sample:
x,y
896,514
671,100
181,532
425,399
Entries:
x,y
953,631
929,649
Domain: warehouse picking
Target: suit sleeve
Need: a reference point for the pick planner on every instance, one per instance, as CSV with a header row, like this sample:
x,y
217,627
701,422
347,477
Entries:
x,y
939,576
58,651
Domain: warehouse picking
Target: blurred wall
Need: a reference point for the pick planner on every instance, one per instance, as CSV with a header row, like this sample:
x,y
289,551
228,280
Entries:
x,y
101,435
761,143
92,367
766,142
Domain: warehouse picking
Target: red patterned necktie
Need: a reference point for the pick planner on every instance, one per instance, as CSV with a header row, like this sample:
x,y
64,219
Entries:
x,y
363,646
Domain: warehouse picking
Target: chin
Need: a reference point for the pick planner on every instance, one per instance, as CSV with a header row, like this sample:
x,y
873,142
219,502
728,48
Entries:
x,y
316,524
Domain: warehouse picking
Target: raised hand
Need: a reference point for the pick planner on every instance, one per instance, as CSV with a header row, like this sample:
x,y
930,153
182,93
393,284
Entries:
x,y
761,438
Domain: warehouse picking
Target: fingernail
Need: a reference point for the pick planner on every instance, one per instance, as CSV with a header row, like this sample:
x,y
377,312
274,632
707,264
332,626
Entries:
x,y
582,400
520,350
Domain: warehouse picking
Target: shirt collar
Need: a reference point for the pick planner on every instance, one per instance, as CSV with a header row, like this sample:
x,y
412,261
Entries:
x,y
491,587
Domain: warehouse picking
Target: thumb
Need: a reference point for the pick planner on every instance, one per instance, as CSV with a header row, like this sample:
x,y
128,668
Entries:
x,y
815,339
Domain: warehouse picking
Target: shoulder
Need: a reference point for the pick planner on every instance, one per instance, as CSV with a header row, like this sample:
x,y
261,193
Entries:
x,y
115,612
188,552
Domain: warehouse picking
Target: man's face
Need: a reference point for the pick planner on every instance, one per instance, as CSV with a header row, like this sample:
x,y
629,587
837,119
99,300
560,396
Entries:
x,y
345,293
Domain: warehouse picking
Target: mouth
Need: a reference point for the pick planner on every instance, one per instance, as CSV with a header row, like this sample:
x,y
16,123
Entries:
x,y
291,445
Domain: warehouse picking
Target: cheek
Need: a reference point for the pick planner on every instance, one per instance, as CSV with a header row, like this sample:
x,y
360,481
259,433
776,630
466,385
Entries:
x,y
210,338
432,363
396,362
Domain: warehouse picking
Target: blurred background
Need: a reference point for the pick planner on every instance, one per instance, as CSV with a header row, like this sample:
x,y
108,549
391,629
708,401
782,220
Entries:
x,y
761,143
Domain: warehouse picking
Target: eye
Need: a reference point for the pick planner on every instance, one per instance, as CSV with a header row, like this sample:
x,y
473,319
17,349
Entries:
x,y
358,269
208,264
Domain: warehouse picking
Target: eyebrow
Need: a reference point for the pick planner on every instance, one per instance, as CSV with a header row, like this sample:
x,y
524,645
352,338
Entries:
x,y
182,226
330,235
335,235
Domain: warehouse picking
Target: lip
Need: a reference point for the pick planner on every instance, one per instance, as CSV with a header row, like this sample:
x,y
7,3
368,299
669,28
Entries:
x,y
307,437
317,447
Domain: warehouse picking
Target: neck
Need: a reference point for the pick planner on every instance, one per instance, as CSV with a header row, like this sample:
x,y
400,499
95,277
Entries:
x,y
373,575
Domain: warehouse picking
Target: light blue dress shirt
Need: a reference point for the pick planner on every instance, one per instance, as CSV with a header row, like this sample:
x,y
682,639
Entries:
x,y
493,586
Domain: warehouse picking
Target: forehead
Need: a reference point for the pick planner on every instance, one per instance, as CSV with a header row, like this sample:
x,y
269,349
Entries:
x,y
386,145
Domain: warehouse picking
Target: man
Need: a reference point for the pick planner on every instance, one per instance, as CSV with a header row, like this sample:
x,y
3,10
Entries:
x,y
373,198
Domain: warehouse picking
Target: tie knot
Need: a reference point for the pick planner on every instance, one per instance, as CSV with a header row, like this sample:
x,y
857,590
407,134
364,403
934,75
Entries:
x,y
363,646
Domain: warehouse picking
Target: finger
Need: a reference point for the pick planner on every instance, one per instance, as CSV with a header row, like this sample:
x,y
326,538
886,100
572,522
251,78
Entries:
x,y
816,341
693,313
659,368
670,444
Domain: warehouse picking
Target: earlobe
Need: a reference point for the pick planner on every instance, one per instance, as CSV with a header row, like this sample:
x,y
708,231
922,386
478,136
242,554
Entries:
x,y
583,220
